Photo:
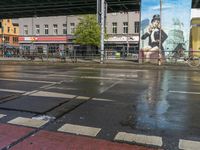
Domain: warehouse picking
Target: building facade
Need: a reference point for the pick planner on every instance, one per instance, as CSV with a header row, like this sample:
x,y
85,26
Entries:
x,y
195,32
9,33
48,34
123,32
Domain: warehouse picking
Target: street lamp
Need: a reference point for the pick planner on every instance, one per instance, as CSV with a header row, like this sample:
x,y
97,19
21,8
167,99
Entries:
x,y
101,18
3,37
127,36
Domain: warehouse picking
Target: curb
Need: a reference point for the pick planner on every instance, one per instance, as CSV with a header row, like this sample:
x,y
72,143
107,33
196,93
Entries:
x,y
122,65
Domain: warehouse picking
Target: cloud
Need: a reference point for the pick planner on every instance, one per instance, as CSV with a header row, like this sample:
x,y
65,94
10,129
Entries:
x,y
165,6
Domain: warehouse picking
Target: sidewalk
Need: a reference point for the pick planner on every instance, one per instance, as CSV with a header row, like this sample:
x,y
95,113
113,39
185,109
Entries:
x,y
119,64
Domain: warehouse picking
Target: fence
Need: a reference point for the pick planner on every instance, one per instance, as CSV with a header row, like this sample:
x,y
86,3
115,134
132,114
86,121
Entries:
x,y
170,57
137,56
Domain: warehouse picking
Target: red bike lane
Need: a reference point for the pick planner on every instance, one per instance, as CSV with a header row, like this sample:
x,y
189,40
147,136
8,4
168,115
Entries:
x,y
47,140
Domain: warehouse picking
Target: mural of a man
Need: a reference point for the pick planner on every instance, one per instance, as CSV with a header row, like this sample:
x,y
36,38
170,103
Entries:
x,y
153,34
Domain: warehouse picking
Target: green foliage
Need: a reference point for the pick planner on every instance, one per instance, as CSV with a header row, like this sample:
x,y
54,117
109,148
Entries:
x,y
88,31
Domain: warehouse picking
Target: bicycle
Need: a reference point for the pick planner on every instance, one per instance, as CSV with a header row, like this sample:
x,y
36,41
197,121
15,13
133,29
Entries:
x,y
190,59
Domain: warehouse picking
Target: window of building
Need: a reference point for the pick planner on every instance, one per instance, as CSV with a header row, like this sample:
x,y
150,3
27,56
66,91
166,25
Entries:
x,y
72,27
114,27
37,29
65,29
15,30
8,29
125,27
26,49
7,39
53,48
15,39
40,49
137,27
46,29
8,20
25,29
55,29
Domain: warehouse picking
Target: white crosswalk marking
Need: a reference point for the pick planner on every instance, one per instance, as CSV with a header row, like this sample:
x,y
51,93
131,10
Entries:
x,y
189,145
52,94
12,91
185,92
142,139
2,115
80,130
31,92
83,97
101,99
30,81
28,122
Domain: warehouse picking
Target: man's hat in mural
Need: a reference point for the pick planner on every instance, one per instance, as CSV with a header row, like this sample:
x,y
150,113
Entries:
x,y
155,17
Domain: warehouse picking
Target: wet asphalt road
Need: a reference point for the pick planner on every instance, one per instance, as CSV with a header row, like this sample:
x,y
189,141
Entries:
x,y
152,102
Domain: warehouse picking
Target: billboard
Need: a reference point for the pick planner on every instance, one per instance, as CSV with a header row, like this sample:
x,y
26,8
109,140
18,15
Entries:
x,y
165,27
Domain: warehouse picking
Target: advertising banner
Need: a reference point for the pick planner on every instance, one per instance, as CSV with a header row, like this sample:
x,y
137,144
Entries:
x,y
167,21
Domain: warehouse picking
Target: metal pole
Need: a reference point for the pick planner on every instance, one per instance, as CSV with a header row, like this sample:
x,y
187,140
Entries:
x,y
127,34
32,35
98,5
160,40
160,25
3,38
102,30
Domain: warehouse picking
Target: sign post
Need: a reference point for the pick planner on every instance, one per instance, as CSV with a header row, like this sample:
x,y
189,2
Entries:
x,y
101,13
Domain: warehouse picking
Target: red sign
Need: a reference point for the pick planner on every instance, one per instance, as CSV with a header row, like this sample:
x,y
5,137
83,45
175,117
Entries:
x,y
44,39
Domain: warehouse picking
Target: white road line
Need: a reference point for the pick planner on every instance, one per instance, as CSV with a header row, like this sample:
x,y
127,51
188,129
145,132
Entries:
x,y
52,94
31,81
189,145
101,99
12,91
85,68
107,88
142,139
123,75
31,92
84,77
80,130
28,122
185,92
61,88
47,86
83,97
99,78
60,75
113,70
2,115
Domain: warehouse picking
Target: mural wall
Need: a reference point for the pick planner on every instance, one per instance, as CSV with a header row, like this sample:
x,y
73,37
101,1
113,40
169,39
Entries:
x,y
167,21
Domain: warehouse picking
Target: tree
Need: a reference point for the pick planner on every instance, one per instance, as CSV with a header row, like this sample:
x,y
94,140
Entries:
x,y
88,31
